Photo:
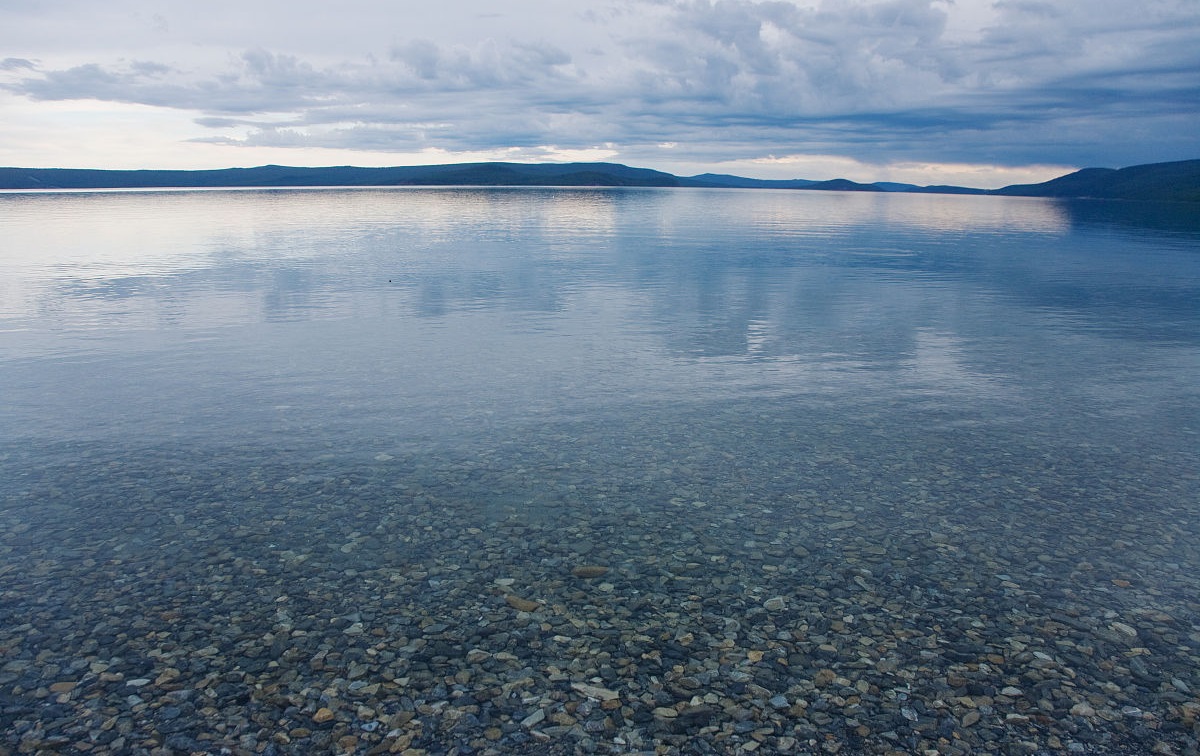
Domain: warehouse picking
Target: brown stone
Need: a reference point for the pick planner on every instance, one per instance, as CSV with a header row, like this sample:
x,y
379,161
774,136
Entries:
x,y
520,604
824,677
589,571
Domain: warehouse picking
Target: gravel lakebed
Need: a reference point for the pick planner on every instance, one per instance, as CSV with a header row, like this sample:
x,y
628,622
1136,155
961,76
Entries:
x,y
931,596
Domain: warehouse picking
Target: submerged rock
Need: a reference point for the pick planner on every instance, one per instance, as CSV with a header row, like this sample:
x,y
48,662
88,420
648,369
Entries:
x,y
520,604
589,571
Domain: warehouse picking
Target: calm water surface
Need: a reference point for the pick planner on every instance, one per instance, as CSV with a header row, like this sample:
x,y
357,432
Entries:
x,y
950,432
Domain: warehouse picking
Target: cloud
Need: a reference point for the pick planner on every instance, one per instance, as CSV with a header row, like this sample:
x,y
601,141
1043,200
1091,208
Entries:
x,y
16,64
487,65
920,81
774,60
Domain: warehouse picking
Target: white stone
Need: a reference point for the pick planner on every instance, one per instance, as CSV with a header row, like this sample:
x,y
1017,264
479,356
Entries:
x,y
596,692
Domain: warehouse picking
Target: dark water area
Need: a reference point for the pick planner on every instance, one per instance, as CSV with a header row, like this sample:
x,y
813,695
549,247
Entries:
x,y
597,471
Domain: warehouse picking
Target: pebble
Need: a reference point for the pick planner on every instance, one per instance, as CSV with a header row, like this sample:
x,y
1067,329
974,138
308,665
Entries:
x,y
533,719
1082,709
589,571
520,604
236,622
594,691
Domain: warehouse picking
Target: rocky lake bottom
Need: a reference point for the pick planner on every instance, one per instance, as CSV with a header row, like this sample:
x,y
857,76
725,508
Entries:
x,y
644,588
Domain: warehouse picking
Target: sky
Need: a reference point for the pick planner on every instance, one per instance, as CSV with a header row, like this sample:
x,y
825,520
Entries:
x,y
979,93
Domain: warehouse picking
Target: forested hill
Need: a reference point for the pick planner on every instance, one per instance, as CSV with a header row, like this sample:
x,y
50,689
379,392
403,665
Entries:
x,y
1177,181
469,174
1172,182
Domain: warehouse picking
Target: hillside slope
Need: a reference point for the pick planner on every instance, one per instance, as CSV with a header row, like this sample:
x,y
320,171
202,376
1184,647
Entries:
x,y
1165,182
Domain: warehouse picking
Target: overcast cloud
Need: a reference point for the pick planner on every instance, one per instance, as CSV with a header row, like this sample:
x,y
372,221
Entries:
x,y
973,92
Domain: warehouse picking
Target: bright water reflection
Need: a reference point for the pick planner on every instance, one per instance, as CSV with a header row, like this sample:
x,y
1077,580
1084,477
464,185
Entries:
x,y
533,301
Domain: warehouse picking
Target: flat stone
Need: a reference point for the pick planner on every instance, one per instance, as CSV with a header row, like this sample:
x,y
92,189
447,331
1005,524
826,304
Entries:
x,y
520,604
323,715
596,692
589,571
533,719
775,604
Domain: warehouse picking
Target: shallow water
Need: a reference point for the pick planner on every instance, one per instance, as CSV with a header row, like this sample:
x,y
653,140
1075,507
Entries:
x,y
276,453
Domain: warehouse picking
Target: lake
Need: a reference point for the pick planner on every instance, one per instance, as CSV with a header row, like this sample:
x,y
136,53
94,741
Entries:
x,y
497,470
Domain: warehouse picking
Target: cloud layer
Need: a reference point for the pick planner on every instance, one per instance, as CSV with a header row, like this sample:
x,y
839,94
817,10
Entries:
x,y
664,83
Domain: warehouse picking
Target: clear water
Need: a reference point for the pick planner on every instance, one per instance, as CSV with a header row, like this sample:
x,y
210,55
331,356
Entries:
x,y
980,407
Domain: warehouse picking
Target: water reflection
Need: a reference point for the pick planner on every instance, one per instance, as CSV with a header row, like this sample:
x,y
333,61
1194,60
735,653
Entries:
x,y
531,300
1167,220
974,214
432,252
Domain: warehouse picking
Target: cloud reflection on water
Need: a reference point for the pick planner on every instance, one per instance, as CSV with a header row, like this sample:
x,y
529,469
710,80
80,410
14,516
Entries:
x,y
529,298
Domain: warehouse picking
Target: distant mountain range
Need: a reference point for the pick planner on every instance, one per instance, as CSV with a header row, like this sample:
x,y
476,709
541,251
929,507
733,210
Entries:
x,y
1171,182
